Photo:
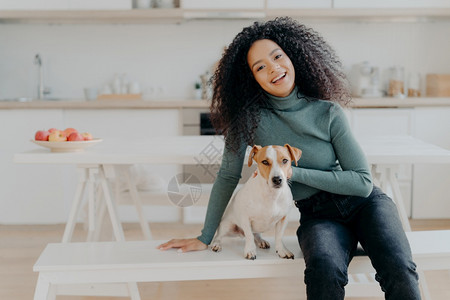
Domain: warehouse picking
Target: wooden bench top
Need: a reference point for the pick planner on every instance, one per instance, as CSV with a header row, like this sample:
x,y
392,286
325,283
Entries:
x,y
431,250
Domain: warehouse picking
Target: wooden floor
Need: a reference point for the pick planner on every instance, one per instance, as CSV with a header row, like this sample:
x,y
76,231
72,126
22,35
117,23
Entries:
x,y
21,245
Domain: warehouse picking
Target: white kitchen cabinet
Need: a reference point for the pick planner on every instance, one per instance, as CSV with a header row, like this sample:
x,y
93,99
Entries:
x,y
431,197
386,121
34,4
126,123
29,194
274,4
65,4
391,3
100,4
220,4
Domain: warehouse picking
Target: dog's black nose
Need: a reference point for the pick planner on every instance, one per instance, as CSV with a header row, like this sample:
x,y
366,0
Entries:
x,y
276,180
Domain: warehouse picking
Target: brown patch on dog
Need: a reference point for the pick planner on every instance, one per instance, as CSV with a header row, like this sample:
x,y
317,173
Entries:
x,y
252,154
237,230
259,157
294,153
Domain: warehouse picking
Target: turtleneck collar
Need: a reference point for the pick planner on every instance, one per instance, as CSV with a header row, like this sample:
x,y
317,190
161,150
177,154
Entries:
x,y
283,103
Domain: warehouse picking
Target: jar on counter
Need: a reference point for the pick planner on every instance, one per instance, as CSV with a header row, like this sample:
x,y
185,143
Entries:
x,y
414,84
396,82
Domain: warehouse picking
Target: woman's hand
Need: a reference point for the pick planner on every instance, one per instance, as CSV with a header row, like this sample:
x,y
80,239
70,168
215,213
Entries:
x,y
184,245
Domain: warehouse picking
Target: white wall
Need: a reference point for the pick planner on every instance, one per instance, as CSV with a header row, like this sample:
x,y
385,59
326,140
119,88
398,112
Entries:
x,y
172,56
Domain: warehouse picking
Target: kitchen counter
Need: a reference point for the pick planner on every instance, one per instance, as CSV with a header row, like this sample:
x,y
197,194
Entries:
x,y
104,104
180,104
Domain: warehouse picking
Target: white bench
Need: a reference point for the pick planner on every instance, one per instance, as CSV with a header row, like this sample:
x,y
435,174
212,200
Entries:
x,y
114,267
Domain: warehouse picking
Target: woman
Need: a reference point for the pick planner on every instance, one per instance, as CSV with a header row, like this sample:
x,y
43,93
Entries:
x,y
279,82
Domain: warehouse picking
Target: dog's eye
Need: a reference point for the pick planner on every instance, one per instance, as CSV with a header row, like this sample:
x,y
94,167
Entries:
x,y
285,161
265,162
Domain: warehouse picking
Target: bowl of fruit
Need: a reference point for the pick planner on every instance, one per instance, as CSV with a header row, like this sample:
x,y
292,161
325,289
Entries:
x,y
67,140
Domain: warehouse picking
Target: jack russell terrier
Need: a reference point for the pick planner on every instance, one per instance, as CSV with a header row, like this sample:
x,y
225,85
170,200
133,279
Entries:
x,y
262,203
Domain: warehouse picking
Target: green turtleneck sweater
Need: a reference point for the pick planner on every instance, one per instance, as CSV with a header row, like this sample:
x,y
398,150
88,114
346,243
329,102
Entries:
x,y
331,159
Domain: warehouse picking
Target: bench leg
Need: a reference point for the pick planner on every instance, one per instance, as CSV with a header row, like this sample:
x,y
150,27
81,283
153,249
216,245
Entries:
x,y
44,290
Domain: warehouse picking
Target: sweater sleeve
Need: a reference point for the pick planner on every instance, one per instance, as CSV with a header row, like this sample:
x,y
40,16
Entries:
x,y
222,190
354,178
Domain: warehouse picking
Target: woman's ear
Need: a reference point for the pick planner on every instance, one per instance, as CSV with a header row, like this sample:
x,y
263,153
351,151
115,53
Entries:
x,y
253,152
295,153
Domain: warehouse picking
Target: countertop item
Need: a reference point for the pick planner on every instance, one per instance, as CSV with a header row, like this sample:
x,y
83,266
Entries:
x,y
438,85
67,146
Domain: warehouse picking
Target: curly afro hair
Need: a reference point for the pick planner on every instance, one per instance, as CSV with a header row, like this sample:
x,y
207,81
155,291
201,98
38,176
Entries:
x,y
238,98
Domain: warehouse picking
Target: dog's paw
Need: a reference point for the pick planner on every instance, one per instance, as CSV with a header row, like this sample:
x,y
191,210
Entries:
x,y
250,255
216,247
250,251
263,244
285,253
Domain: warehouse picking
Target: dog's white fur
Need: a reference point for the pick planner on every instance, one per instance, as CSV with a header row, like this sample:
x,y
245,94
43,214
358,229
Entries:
x,y
262,203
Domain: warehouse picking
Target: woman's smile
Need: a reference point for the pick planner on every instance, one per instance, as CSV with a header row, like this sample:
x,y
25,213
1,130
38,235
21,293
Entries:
x,y
279,79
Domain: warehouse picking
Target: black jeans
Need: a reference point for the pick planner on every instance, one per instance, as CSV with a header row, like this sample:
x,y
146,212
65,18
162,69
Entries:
x,y
330,228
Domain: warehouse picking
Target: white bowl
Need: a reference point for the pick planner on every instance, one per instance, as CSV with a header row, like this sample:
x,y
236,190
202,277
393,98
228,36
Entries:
x,y
75,146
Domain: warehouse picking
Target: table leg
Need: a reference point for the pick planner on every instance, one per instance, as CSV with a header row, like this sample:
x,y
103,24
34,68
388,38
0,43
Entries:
x,y
91,202
138,204
133,291
392,182
42,291
100,213
68,231
110,204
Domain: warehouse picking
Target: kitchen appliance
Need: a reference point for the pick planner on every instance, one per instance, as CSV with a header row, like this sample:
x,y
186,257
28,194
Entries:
x,y
365,80
206,127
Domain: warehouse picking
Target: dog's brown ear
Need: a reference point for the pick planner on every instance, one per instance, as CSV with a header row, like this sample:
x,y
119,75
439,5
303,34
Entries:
x,y
255,149
295,153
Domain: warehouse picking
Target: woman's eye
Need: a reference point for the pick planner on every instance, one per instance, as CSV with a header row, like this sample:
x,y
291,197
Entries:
x,y
277,56
265,162
259,68
285,161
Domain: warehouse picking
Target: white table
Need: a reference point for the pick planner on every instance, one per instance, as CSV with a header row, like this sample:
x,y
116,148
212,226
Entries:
x,y
96,165
385,154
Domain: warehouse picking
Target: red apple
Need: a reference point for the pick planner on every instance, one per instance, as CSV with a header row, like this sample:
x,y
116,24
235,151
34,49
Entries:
x,y
57,136
41,135
53,129
69,130
87,136
75,136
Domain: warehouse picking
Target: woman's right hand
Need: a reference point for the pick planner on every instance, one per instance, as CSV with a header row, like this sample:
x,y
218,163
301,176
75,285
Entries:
x,y
184,245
